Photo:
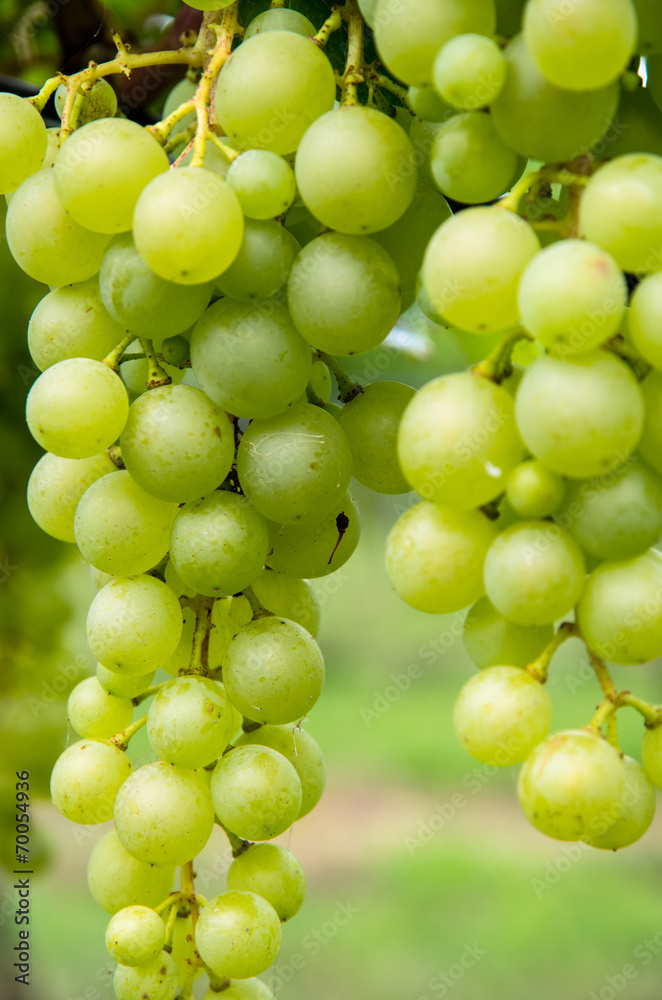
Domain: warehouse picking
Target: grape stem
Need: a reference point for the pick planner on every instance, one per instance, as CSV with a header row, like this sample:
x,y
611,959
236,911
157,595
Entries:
x,y
170,925
170,899
385,83
539,668
258,609
121,740
115,456
498,364
332,23
156,376
200,649
188,895
652,714
114,358
216,984
630,355
225,33
347,389
353,74
144,695
236,843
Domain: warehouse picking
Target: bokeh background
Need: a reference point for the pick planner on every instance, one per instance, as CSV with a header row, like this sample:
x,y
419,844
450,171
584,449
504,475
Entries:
x,y
424,878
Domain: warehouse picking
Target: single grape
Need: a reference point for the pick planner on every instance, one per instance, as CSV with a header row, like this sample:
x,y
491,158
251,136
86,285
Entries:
x,y
190,722
303,753
490,639
86,779
651,754
533,490
123,685
135,935
116,879
316,548
176,350
71,322
238,934
262,265
228,616
22,141
371,422
645,319
94,713
368,8
427,105
97,101
320,381
263,182
288,597
639,127
246,989
156,980
274,874
56,486
279,19
256,792
630,817
469,160
469,71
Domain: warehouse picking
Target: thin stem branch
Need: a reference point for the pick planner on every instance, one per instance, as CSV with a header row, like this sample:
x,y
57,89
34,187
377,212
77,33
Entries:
x,y
121,740
347,389
258,609
203,608
353,74
236,843
498,364
156,376
202,98
114,358
148,693
540,666
332,23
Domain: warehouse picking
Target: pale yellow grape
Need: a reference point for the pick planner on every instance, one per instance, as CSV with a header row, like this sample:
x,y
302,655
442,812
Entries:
x,y
190,722
164,814
94,713
469,71
180,660
639,124
491,639
188,225
246,989
434,557
86,779
533,490
134,625
651,754
317,547
56,486
263,182
76,408
570,781
472,267
303,753
228,616
645,319
280,19
320,381
135,935
45,240
121,685
356,170
469,160
101,169
256,792
426,104
22,141
96,101
650,444
238,934
631,816
273,873
371,422
72,322
116,879
157,980
288,597
262,265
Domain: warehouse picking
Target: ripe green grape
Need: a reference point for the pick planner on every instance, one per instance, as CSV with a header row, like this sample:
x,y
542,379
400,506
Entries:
x,y
427,105
190,722
534,573
319,547
580,46
247,989
501,714
164,814
288,597
470,162
156,980
469,71
273,671
546,122
619,614
490,639
294,465
580,417
219,544
570,781
630,229
280,19
262,265
645,319
651,754
188,225
249,358
649,19
572,297
320,381
145,523
344,293
116,879
94,713
303,753
533,490
135,935
262,181
76,408
256,792
272,89
274,874
176,444
356,170
97,101
371,422
22,141
650,444
238,934
134,625
368,8
639,126
434,557
45,240
86,779
56,486
630,817
228,616
123,685
472,268
102,168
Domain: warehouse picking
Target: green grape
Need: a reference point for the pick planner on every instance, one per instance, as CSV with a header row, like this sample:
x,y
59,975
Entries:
x,y
470,162
344,293
637,129
409,33
629,819
262,181
140,300
615,516
94,713
56,486
176,444
645,319
501,714
535,491
123,685
180,661
86,779
247,989
263,263
469,71
458,440
534,573
434,557
134,625
274,874
317,548
76,408
288,597
175,582
546,122
145,523
650,444
176,350
188,225
219,544
190,722
580,46
619,614
102,168
45,240
426,104
356,170
272,89
570,781
164,814
71,322
320,381
572,297
631,229
135,935
472,267
649,20
238,934
98,101
371,422
295,465
490,639
256,793
116,879
580,417
651,754
228,616
280,19
210,4
303,753
273,671
22,141
156,980
99,579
